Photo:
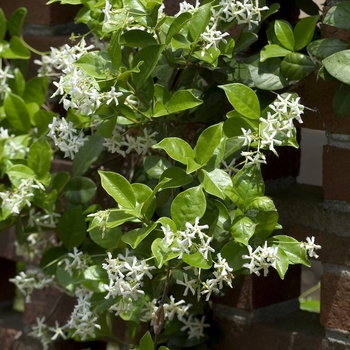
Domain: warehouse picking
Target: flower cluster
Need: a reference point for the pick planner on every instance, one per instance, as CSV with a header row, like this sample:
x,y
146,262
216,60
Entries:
x,y
76,261
125,274
124,142
275,129
14,201
310,247
261,259
26,282
4,75
190,240
83,319
66,137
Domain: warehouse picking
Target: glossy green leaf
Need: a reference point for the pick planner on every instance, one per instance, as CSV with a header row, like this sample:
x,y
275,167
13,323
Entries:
x,y
284,34
295,253
267,222
207,142
308,6
149,55
273,50
107,238
155,166
59,180
162,252
114,50
95,277
50,259
111,218
341,101
245,40
243,99
191,165
323,48
79,190
16,112
187,206
17,84
243,229
181,101
146,342
96,64
39,157
199,21
87,154
338,16
137,38
118,187
18,172
233,252
16,50
282,262
177,178
36,90
3,26
197,260
262,203
16,21
296,66
338,66
247,184
136,236
215,182
71,228
304,31
177,25
233,126
176,149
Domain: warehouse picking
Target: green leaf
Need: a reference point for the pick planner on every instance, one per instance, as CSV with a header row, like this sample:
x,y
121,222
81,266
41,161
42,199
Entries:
x,y
114,50
17,85
3,26
95,277
304,31
79,190
39,157
187,206
161,252
146,342
243,99
338,16
266,75
284,34
191,165
296,66
87,154
112,218
155,166
149,55
181,101
177,25
17,50
308,6
36,90
16,21
262,203
18,172
16,112
341,101
207,142
137,38
71,228
215,182
282,262
97,64
295,253
338,66
136,236
177,178
233,126
199,21
243,229
107,238
233,252
273,50
119,188
176,149
197,260
50,259
247,184
267,222
325,47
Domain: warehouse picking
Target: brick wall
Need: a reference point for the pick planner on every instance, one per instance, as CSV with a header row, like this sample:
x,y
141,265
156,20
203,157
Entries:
x,y
259,313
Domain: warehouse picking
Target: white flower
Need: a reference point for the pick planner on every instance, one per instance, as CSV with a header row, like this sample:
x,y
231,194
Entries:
x,y
310,247
191,285
247,137
195,327
175,308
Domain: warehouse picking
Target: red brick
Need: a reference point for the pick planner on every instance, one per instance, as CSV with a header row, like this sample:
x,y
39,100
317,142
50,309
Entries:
x,y
40,13
7,247
252,292
50,303
336,173
335,306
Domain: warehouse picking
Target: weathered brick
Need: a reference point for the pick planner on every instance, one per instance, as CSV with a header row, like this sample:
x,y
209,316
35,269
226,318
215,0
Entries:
x,y
336,173
335,306
40,13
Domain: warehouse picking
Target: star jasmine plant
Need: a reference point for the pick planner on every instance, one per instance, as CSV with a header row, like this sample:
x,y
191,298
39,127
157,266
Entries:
x,y
166,123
